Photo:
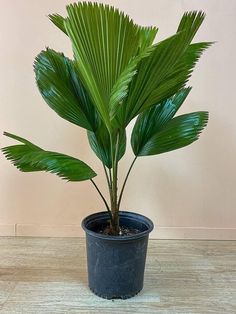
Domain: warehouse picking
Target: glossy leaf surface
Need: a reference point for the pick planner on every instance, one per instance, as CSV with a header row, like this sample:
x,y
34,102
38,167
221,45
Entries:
x,y
164,72
60,86
104,42
152,120
101,145
177,133
28,157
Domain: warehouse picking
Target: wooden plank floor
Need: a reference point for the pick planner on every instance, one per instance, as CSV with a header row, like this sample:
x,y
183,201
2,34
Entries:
x,y
48,275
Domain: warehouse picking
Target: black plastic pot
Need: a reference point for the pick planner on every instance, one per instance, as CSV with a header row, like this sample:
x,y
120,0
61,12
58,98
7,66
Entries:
x,y
116,263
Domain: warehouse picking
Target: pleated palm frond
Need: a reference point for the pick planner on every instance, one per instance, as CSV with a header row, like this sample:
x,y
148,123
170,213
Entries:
x,y
166,70
120,81
156,131
190,22
179,132
28,157
121,87
179,77
58,20
104,41
61,88
153,119
100,142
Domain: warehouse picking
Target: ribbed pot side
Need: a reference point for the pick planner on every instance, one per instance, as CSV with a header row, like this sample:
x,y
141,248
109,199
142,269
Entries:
x,y
116,263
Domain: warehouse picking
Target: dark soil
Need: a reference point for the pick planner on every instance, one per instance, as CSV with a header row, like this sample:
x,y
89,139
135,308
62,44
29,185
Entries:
x,y
124,231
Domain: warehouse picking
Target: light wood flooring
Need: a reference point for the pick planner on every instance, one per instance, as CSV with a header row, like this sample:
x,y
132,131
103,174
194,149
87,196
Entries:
x,y
48,275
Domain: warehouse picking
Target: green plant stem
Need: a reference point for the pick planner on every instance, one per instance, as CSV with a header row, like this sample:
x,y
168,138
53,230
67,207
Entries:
x,y
114,207
111,171
108,183
115,172
103,198
108,180
124,184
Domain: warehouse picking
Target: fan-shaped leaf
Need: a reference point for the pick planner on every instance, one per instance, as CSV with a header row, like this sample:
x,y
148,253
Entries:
x,y
29,158
152,120
120,88
160,75
62,89
179,76
101,145
179,132
104,41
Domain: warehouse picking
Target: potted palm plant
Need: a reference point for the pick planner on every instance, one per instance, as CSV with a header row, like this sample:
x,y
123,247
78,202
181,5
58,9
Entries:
x,y
117,75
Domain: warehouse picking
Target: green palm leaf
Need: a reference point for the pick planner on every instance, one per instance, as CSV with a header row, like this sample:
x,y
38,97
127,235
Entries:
x,y
179,75
121,87
164,72
190,22
101,37
62,89
153,119
177,133
147,36
58,20
29,158
101,144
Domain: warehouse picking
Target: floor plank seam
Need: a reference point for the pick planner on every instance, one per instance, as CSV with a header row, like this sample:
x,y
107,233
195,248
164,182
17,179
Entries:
x,y
9,295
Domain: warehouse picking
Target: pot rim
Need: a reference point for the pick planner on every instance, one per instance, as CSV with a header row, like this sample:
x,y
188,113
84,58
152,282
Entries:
x,y
132,215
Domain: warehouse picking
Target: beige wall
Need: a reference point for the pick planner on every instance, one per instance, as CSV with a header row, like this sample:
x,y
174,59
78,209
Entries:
x,y
189,193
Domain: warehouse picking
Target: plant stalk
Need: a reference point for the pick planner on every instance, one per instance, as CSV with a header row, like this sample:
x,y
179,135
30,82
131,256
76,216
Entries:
x,y
124,184
109,183
114,206
108,180
103,198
